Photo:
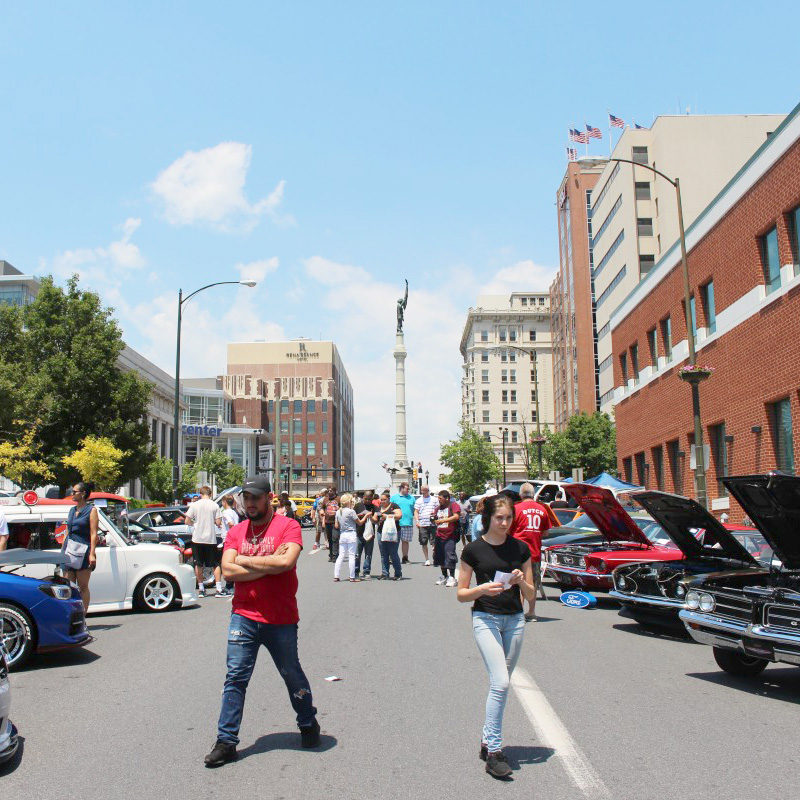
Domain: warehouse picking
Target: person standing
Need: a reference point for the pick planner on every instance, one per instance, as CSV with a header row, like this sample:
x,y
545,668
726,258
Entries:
x,y
330,505
388,539
447,535
205,519
260,557
230,517
364,510
424,509
81,540
346,523
531,520
463,517
4,534
502,568
316,516
405,502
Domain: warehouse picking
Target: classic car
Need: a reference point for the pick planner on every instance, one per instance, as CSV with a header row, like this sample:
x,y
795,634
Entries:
x,y
589,565
9,739
752,617
166,519
37,615
652,592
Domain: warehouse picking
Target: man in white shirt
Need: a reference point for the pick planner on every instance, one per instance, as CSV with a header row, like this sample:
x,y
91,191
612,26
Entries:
x,y
424,510
4,534
205,518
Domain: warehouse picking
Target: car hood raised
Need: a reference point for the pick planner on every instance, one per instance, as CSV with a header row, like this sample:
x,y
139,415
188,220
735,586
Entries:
x,y
678,516
772,502
612,520
20,555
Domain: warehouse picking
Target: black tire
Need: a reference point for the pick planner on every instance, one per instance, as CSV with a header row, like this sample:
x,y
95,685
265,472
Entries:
x,y
17,634
739,664
157,593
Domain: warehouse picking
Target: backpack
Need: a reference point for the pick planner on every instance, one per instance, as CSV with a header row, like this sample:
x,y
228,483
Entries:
x,y
330,510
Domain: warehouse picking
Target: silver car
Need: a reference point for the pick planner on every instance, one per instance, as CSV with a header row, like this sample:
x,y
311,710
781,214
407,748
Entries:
x,y
9,741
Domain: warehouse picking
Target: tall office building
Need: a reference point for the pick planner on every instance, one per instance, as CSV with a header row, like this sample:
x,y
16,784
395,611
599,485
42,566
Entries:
x,y
16,289
299,393
574,333
507,381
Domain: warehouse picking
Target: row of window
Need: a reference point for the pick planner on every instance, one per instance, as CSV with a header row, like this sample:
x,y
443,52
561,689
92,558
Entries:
x,y
770,255
609,253
310,450
297,426
507,396
532,300
507,335
611,286
607,221
604,191
506,376
297,406
505,356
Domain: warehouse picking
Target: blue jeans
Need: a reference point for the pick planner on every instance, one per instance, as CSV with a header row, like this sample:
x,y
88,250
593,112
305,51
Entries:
x,y
389,552
245,637
365,548
499,638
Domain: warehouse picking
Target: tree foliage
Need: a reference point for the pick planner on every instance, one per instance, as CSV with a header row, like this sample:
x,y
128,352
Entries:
x,y
471,461
589,442
225,471
98,461
59,364
20,462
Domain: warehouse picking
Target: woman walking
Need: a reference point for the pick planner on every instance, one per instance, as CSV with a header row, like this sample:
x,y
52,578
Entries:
x,y
346,522
502,568
81,540
364,510
386,518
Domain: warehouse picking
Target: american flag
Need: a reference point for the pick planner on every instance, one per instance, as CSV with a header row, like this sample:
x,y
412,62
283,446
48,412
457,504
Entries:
x,y
593,133
572,154
578,136
616,122
639,127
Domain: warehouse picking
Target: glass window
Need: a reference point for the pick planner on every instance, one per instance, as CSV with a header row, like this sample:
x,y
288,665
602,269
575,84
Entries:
x,y
782,435
646,263
270,406
485,357
311,406
284,448
297,426
512,335
642,190
512,357
794,235
693,314
485,415
298,448
505,416
504,395
652,344
639,155
324,426
502,334
324,448
510,457
504,376
710,309
644,226
627,468
311,426
641,469
504,356
531,336
487,436
311,448
513,416
666,337
524,301
635,365
513,395
298,407
675,466
623,365
770,259
512,376
484,336
719,453
485,396
484,376
284,426
324,406
658,467
236,451
514,437
533,415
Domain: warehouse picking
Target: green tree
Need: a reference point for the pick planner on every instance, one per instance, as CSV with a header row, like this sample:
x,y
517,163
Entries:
x,y
58,364
471,461
589,442
20,462
157,479
98,461
225,471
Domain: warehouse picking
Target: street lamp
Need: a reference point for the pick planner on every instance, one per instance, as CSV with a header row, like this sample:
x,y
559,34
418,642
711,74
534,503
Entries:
x,y
504,434
177,421
692,379
427,482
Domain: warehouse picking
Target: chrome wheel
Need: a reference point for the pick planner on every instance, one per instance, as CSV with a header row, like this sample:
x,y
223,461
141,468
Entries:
x,y
16,636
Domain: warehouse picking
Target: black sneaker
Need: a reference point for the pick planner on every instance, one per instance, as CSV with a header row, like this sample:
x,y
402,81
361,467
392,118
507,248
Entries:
x,y
484,751
497,765
405,560
309,736
222,753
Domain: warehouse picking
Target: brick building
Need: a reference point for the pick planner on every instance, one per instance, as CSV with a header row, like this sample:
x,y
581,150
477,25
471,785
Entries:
x,y
744,275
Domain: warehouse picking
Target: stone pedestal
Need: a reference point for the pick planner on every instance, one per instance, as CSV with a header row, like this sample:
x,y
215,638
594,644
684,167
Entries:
x,y
401,465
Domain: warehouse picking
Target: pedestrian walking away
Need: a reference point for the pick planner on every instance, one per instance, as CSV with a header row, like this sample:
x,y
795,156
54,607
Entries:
x,y
81,540
406,525
476,526
230,517
463,517
365,531
386,518
316,517
346,523
531,520
330,505
205,519
260,557
501,565
424,509
447,536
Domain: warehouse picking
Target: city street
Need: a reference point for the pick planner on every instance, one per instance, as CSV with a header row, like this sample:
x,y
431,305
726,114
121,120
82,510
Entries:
x,y
600,707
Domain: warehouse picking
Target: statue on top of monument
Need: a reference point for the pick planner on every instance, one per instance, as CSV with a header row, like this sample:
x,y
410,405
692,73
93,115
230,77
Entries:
x,y
401,307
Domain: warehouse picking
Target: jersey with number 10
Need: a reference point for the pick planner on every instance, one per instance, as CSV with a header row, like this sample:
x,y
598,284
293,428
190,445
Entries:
x,y
530,522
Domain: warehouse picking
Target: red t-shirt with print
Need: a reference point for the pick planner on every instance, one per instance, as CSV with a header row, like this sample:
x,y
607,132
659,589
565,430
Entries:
x,y
530,522
273,598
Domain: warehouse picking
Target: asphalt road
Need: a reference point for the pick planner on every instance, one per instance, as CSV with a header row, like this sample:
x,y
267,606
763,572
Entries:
x,y
599,708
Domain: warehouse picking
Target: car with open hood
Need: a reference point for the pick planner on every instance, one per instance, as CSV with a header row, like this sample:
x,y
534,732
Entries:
x,y
589,564
653,591
751,617
37,615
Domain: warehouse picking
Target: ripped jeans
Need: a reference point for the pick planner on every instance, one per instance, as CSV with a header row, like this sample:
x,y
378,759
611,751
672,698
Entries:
x,y
245,637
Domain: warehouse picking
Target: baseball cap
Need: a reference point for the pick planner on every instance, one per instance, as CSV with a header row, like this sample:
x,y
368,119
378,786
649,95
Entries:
x,y
257,485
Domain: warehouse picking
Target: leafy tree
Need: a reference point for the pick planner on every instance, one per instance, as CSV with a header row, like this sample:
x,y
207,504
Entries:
x,y
20,462
225,471
157,479
98,461
471,461
589,441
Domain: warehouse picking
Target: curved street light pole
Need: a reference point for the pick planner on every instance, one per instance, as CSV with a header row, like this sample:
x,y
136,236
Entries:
x,y
176,461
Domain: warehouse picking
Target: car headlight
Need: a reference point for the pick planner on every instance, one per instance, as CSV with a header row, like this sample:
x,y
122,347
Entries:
x,y
680,591
693,600
707,602
602,566
54,590
621,582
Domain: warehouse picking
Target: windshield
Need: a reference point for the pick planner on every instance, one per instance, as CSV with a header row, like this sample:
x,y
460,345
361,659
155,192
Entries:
x,y
123,535
756,545
654,532
582,521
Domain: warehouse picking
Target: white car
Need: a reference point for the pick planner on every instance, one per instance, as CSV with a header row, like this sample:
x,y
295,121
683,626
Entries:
x,y
9,741
148,576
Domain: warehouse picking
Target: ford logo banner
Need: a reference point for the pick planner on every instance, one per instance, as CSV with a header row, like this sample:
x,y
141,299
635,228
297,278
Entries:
x,y
578,599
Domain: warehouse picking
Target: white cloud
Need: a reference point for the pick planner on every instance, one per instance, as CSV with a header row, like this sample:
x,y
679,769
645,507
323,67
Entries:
x,y
95,263
207,186
257,270
520,277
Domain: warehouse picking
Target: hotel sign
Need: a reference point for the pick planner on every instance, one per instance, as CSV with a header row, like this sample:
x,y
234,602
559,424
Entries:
x,y
302,354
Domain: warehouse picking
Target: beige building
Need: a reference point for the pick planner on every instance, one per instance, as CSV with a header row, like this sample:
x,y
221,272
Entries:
x,y
507,381
634,212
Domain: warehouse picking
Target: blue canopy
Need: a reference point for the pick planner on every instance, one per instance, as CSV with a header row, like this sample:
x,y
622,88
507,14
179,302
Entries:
x,y
610,482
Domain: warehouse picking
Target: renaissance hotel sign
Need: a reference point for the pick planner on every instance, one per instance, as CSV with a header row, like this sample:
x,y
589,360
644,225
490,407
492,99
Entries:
x,y
302,354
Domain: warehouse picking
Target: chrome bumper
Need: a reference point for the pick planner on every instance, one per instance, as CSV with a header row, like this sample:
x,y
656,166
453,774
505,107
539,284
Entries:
x,y
647,600
9,742
582,573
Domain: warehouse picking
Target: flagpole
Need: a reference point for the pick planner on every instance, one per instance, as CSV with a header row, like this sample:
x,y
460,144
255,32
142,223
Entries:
x,y
608,112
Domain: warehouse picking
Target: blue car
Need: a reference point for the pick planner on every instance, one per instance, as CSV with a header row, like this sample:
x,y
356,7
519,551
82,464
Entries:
x,y
37,614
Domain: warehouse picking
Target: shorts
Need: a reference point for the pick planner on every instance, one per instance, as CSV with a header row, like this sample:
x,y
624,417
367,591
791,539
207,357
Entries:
x,y
205,555
444,553
427,533
405,532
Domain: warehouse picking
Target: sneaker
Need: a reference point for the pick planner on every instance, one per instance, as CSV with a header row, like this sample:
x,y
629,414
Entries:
x,y
428,563
222,753
309,736
442,581
484,751
315,547
201,591
451,582
223,593
404,560
497,765
397,578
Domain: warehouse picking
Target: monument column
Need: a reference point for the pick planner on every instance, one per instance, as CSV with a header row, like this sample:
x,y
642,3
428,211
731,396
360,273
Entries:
x,y
402,471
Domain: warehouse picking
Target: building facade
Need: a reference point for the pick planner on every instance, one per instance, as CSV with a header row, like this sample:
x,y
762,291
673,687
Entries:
x,y
507,380
634,213
744,276
574,333
16,289
299,393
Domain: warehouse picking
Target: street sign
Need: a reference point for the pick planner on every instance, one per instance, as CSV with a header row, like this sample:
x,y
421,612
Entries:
x,y
577,599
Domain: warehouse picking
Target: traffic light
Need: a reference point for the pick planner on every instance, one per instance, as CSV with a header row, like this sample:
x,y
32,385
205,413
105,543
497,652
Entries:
x,y
342,471
314,471
415,474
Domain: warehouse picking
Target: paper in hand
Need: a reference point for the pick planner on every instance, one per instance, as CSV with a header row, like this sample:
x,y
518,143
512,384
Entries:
x,y
504,578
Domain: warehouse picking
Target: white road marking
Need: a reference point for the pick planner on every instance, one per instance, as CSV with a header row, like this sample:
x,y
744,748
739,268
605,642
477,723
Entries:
x,y
552,733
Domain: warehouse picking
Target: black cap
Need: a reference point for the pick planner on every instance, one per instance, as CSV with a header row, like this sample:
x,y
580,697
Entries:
x,y
257,485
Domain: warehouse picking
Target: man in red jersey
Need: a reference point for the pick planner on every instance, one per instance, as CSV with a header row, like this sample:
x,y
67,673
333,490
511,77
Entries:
x,y
260,557
531,520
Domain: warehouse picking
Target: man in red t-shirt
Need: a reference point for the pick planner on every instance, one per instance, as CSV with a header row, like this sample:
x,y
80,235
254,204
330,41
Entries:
x,y
260,557
531,520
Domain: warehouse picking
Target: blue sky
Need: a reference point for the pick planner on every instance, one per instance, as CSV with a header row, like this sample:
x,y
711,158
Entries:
x,y
332,149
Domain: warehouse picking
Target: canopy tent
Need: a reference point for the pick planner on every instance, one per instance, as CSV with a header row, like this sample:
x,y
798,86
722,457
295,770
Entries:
x,y
610,482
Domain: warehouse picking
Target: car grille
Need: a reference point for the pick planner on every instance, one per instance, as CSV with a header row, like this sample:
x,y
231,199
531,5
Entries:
x,y
570,560
77,623
732,606
785,618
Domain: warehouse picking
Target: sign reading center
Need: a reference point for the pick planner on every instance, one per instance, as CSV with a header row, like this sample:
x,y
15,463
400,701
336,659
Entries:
x,y
200,430
302,354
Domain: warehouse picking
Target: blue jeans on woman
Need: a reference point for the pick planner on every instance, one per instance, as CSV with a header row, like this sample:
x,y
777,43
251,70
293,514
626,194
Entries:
x,y
389,551
245,637
365,547
499,639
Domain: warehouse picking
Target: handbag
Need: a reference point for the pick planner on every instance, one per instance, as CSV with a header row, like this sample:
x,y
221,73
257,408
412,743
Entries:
x,y
369,531
389,530
75,551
